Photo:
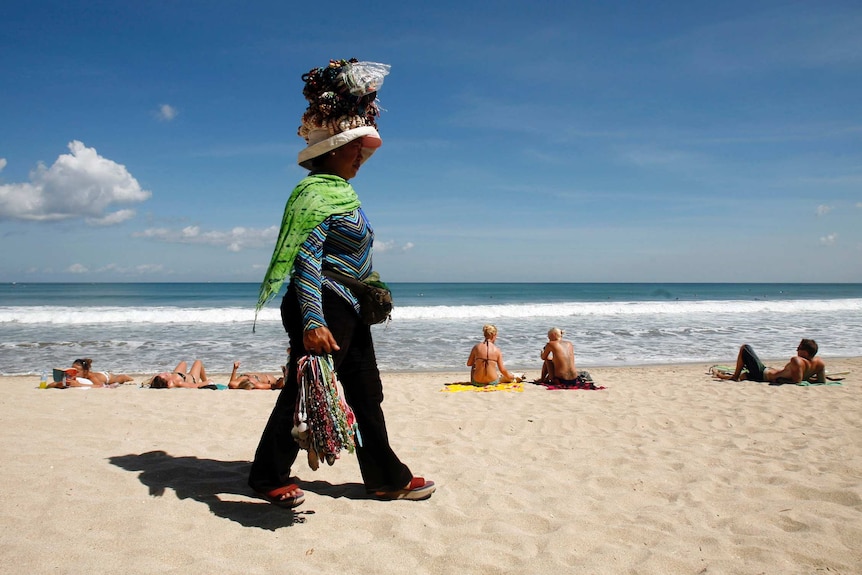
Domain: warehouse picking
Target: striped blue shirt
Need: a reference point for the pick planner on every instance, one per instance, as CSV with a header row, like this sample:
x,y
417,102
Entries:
x,y
341,242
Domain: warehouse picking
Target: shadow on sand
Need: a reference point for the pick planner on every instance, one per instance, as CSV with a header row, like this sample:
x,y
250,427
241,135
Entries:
x,y
208,480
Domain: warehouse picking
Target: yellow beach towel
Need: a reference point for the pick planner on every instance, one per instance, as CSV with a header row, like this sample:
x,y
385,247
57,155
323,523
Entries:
x,y
466,386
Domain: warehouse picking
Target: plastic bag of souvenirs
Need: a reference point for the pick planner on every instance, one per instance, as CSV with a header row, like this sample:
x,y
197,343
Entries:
x,y
362,78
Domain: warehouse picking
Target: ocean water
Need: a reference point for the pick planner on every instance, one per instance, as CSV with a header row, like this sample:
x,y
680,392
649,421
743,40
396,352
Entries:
x,y
149,327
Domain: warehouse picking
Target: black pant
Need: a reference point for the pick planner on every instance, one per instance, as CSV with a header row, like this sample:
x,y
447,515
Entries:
x,y
356,367
752,363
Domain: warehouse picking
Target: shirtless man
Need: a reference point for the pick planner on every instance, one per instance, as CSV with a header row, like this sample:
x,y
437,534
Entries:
x,y
801,367
559,359
484,360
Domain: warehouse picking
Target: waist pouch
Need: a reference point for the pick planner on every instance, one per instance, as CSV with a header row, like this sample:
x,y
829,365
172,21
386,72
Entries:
x,y
375,302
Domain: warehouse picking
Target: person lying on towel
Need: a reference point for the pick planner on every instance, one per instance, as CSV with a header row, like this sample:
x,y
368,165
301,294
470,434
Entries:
x,y
801,367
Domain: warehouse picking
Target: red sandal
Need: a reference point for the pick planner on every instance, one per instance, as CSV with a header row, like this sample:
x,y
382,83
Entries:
x,y
417,490
276,496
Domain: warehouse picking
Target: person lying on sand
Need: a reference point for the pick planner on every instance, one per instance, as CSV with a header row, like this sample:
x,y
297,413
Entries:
x,y
194,377
72,380
98,377
801,367
253,380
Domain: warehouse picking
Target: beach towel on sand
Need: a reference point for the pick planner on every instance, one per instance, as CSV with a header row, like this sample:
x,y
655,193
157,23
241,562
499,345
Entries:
x,y
827,382
517,387
583,381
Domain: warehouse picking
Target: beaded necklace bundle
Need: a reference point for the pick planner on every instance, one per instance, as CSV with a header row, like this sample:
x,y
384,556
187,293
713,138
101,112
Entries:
x,y
323,423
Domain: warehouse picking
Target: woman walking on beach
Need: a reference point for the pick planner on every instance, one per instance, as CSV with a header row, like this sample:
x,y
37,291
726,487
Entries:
x,y
324,228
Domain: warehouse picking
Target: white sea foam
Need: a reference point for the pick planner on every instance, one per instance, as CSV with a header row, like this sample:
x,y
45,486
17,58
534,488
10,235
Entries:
x,y
622,309
60,315
148,339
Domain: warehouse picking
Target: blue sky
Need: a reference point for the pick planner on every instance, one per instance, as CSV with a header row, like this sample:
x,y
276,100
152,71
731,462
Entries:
x,y
523,141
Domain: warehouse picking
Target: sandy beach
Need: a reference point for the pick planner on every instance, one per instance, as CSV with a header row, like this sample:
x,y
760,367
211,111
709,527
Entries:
x,y
664,471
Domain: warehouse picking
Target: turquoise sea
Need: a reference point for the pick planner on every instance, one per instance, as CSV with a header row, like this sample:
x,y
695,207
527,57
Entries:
x,y
148,327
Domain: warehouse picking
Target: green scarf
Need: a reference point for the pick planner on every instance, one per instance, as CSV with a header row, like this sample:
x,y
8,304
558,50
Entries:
x,y
314,199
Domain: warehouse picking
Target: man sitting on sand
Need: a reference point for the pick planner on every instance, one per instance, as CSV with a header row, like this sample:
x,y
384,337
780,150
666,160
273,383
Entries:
x,y
801,367
559,360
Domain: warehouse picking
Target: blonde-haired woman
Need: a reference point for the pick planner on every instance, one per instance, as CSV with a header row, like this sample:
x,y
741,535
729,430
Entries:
x,y
486,361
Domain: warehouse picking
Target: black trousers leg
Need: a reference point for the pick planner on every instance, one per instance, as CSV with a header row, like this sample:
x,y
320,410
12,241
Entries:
x,y
277,450
752,363
356,367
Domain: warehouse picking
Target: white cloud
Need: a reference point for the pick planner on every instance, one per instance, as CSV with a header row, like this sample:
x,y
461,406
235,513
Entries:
x,y
112,219
235,240
656,157
141,269
823,209
80,184
166,113
859,204
77,269
829,240
381,247
147,269
2,164
801,36
673,160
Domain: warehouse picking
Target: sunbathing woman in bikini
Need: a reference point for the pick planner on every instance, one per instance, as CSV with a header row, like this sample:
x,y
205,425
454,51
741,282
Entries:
x,y
98,378
194,377
253,380
484,360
